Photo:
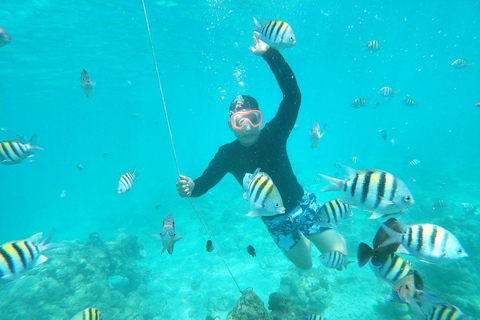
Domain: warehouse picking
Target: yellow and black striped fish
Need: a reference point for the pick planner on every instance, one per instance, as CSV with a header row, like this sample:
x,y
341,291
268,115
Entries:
x,y
277,34
373,45
408,101
19,256
446,311
315,317
359,102
330,214
335,259
126,182
427,242
14,151
387,92
460,63
262,194
88,314
389,267
372,190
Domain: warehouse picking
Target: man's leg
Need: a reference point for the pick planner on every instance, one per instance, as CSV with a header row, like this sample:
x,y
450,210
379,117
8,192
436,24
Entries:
x,y
329,240
300,254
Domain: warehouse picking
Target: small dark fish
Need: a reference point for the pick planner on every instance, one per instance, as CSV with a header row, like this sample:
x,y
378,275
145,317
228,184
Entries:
x,y
209,246
408,101
478,104
359,102
373,45
79,167
383,133
4,37
86,83
251,251
157,207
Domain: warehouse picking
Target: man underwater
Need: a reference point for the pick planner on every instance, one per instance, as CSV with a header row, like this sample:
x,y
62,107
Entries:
x,y
267,149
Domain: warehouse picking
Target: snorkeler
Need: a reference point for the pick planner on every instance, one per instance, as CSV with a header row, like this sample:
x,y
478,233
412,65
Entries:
x,y
267,149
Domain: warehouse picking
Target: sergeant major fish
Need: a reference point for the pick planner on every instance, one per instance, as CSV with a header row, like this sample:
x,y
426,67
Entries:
x,y
427,242
335,259
373,45
86,83
14,151
4,37
372,190
315,317
262,194
387,92
277,34
168,236
18,256
408,101
330,214
126,182
460,63
316,135
88,314
359,102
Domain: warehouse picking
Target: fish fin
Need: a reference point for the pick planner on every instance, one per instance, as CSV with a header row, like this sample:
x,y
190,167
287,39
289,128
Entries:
x,y
48,238
163,250
40,260
253,214
402,250
31,144
376,215
135,173
36,238
177,238
11,277
364,253
334,184
350,172
51,246
257,25
393,236
381,235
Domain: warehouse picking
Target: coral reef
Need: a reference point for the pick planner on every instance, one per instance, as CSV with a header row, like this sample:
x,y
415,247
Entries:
x,y
97,274
249,307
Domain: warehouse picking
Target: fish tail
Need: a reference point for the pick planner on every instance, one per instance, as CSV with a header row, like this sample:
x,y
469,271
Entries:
x,y
31,144
257,25
135,172
46,245
393,236
333,183
364,254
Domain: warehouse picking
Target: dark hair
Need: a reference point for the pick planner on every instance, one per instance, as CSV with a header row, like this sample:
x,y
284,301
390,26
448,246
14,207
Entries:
x,y
243,102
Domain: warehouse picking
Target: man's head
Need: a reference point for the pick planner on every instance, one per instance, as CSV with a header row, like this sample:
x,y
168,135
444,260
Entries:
x,y
245,119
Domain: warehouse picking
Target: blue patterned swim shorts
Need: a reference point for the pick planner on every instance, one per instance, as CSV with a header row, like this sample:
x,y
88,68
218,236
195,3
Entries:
x,y
285,229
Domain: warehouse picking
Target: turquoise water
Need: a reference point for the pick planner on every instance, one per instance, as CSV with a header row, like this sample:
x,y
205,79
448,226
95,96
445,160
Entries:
x,y
202,53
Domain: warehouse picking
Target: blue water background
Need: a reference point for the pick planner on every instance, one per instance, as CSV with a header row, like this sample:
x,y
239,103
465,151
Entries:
x,y
198,46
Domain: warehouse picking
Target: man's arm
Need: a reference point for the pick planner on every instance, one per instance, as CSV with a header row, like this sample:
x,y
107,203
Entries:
x,y
287,113
215,171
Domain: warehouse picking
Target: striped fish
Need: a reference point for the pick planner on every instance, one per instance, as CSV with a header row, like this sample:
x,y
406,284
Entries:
x,y
372,190
445,311
388,267
359,102
387,92
14,151
414,163
335,259
332,212
262,194
315,317
440,204
373,45
427,242
460,63
4,37
88,314
408,101
468,207
277,34
126,182
18,256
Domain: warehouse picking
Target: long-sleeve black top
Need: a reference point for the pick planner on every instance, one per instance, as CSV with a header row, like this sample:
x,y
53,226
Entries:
x,y
269,153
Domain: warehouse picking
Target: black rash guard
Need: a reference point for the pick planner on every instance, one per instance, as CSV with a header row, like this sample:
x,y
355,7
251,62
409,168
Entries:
x,y
269,153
